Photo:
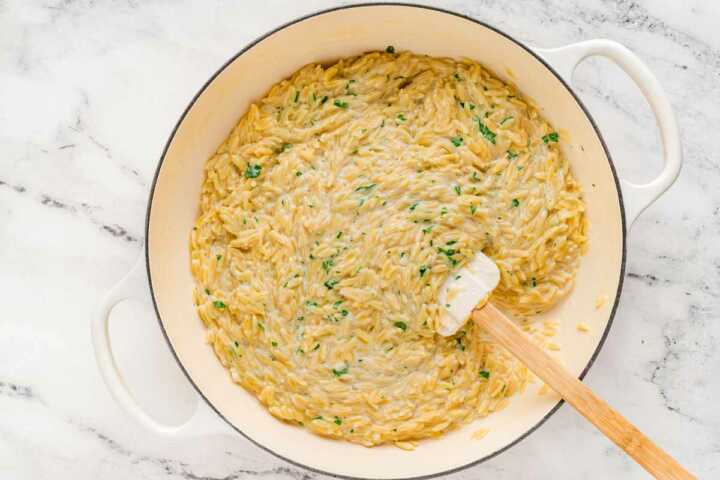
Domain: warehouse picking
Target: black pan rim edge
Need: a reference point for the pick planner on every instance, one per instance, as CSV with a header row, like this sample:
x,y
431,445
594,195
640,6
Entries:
x,y
409,5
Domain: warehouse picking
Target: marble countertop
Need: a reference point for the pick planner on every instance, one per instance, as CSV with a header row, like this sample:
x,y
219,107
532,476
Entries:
x,y
90,90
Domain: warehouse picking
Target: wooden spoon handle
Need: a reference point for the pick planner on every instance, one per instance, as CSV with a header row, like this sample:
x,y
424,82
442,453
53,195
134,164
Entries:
x,y
613,425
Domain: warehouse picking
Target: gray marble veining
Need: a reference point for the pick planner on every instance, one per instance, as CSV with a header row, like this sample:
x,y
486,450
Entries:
x,y
89,90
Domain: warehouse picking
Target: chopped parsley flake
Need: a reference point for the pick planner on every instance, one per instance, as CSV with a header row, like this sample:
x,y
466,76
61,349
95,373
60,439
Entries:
x,y
207,292
317,345
318,417
390,49
401,325
486,132
428,229
515,202
506,119
340,104
484,374
457,77
550,137
274,343
339,234
297,96
533,282
340,372
423,270
253,170
401,117
473,209
323,100
366,188
219,304
344,312
218,257
457,189
328,264
457,141
298,174
311,303
338,421
448,252
511,154
329,284
414,206
451,242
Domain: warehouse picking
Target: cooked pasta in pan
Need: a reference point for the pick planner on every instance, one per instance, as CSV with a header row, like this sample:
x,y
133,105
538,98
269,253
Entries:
x,y
336,209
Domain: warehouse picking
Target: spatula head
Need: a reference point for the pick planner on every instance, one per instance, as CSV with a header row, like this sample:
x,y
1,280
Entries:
x,y
463,290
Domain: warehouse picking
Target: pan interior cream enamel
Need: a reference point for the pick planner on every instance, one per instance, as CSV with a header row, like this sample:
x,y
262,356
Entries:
x,y
340,204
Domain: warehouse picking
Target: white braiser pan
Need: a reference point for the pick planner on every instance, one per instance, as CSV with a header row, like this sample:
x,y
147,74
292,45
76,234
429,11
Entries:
x,y
542,74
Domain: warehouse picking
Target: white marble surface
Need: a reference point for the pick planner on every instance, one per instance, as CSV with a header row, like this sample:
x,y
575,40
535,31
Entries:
x,y
89,91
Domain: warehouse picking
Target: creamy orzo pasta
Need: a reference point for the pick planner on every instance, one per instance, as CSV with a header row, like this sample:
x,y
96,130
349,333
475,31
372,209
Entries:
x,y
336,209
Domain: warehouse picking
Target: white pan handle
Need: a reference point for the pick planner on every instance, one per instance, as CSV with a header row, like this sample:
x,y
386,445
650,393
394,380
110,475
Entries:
x,y
135,286
636,197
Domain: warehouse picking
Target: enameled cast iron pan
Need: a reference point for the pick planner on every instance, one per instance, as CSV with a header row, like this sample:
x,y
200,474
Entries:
x,y
543,75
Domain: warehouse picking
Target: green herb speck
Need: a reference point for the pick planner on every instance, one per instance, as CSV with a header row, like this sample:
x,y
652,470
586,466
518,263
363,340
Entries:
x,y
219,304
328,264
390,49
340,104
401,325
485,131
297,96
550,137
366,188
329,284
423,270
253,170
338,421
515,202
457,141
484,374
341,371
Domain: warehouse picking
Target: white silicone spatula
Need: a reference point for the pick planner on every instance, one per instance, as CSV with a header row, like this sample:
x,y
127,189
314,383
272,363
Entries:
x,y
466,294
